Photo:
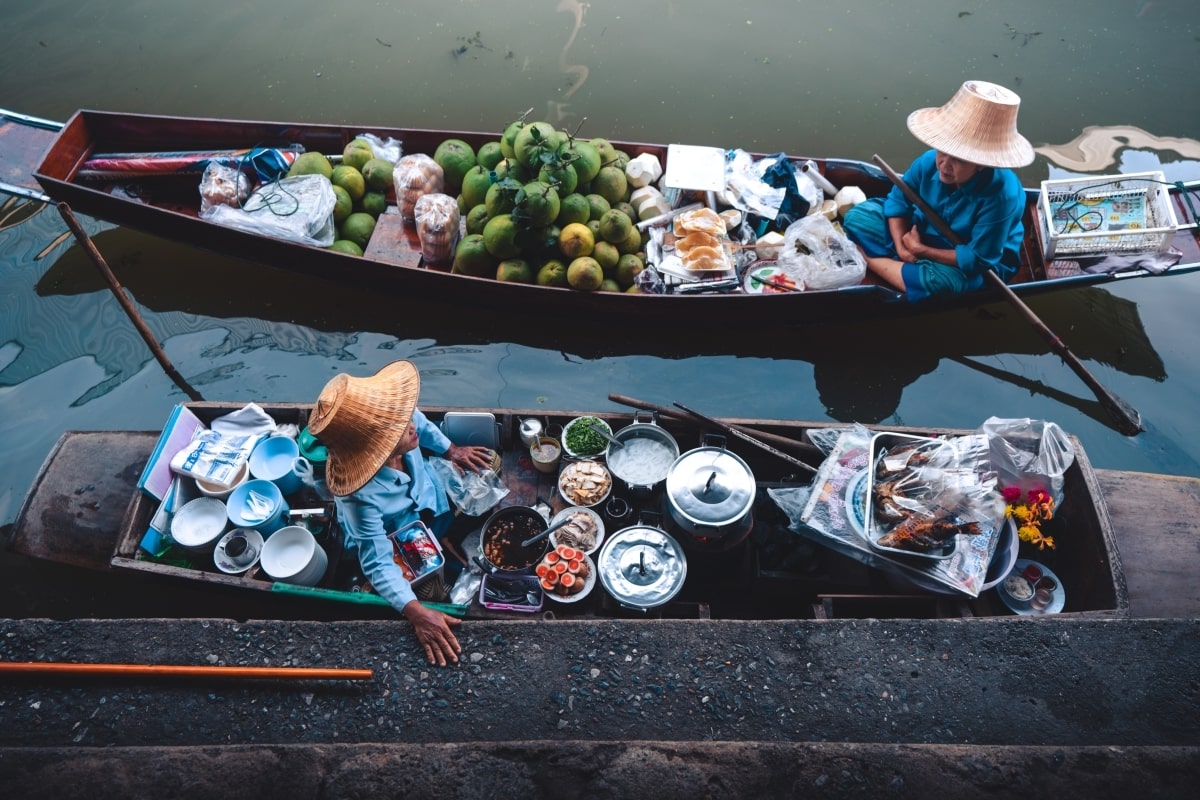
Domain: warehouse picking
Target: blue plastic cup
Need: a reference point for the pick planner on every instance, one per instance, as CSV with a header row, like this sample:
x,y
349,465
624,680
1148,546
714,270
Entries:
x,y
272,460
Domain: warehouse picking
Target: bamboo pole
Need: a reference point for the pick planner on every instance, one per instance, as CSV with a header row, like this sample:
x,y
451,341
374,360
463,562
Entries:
x,y
118,291
296,673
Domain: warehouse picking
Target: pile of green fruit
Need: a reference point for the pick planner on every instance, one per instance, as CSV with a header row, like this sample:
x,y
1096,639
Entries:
x,y
360,186
544,207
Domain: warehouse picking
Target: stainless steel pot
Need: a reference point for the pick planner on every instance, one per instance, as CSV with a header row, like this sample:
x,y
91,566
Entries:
x,y
645,456
501,537
710,492
641,566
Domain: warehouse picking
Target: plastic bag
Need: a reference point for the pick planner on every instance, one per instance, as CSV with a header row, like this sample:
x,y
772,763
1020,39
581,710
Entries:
x,y
1029,454
820,255
473,493
298,209
437,218
222,186
413,177
388,149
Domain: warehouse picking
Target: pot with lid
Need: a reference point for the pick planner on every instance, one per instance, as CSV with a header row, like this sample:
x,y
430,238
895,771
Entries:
x,y
645,456
642,566
710,493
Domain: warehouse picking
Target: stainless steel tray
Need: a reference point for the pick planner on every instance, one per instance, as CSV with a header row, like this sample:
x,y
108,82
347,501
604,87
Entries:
x,y
877,527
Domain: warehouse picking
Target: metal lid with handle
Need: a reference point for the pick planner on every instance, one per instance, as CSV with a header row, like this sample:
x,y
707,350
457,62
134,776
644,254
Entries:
x,y
642,567
711,486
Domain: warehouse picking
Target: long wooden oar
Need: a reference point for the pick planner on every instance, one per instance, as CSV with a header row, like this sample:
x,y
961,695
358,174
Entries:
x,y
745,437
1126,417
159,670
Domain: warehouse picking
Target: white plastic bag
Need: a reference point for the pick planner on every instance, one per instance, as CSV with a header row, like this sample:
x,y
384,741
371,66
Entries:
x,y
820,255
473,493
1029,454
298,209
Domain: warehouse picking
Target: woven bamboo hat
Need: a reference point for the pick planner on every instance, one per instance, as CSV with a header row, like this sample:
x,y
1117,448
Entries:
x,y
978,124
360,422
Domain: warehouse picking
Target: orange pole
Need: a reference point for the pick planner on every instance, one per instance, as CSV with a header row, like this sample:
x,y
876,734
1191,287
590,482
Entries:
x,y
299,673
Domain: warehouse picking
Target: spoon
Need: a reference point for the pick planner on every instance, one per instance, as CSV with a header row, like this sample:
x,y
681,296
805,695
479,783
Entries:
x,y
535,539
617,443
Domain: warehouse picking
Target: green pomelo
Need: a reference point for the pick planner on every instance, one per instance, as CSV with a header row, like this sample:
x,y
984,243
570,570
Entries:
x,y
607,255
627,270
456,158
615,226
573,208
477,217
604,148
632,244
563,176
358,228
611,184
500,237
598,206
472,258
343,205
349,179
586,160
378,174
540,204
585,274
489,155
501,197
311,164
475,185
533,140
374,203
609,285
346,246
515,270
552,273
357,154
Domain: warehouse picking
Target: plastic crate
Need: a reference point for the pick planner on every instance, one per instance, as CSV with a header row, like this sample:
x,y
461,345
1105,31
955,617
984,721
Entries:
x,y
1106,215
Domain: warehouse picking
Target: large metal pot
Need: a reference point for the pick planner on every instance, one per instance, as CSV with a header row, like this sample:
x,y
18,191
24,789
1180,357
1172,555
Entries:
x,y
646,454
501,536
710,492
641,566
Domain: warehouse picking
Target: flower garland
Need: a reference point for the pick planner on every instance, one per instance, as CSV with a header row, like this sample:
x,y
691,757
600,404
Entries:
x,y
1029,515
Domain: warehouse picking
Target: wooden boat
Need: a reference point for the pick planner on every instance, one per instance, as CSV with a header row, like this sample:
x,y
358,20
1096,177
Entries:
x,y
168,206
1114,558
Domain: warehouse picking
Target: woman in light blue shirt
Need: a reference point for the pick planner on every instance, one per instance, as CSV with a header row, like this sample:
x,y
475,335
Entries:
x,y
966,179
381,481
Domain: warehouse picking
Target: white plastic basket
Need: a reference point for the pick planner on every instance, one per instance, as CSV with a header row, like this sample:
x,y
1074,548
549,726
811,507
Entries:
x,y
1106,215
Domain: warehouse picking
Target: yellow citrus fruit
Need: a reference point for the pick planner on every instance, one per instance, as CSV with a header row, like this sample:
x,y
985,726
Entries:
x,y
585,274
311,164
514,270
552,273
349,179
374,203
358,228
611,184
477,217
628,268
346,246
500,237
489,155
357,153
343,205
573,208
472,258
607,255
576,240
456,158
615,225
377,173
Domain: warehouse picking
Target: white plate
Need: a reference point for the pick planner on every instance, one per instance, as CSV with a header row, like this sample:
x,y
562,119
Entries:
x,y
1056,602
567,451
570,468
856,501
225,564
588,584
566,512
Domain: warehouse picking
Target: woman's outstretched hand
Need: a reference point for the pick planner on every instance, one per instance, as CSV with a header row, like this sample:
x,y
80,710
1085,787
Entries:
x,y
432,629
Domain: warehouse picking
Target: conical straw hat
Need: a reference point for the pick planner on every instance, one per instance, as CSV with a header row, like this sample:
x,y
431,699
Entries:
x,y
978,124
361,420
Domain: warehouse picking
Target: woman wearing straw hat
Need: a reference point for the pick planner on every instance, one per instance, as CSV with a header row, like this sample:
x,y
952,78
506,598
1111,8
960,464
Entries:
x,y
967,180
374,435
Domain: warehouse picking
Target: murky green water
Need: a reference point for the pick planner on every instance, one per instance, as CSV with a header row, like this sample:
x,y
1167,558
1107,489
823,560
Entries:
x,y
805,78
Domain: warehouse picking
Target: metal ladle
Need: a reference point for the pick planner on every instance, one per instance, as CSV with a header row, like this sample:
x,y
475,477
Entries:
x,y
535,539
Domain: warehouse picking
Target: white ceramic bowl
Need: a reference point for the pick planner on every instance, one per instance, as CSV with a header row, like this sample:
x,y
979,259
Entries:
x,y
210,489
292,555
199,524
572,473
566,435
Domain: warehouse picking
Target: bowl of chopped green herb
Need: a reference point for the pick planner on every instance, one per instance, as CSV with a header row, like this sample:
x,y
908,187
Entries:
x,y
580,441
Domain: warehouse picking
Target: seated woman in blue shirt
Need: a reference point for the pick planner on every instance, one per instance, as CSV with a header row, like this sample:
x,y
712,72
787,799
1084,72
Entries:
x,y
966,179
381,481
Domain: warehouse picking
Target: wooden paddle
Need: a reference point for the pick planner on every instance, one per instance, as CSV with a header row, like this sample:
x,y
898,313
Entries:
x,y
1126,417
